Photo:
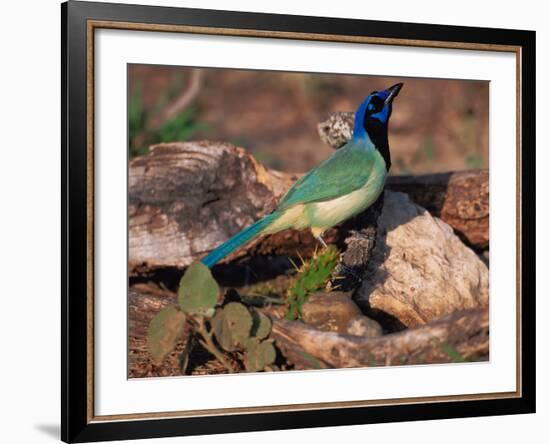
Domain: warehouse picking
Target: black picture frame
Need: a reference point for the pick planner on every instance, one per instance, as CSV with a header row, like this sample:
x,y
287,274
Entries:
x,y
76,423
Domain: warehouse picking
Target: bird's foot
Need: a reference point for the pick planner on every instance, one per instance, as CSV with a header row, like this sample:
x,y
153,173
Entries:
x,y
321,241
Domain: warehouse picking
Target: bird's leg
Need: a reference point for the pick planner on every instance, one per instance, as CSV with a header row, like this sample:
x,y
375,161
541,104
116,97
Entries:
x,y
317,235
321,241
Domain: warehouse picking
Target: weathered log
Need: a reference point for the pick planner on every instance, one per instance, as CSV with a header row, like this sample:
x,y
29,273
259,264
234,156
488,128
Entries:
x,y
461,335
186,198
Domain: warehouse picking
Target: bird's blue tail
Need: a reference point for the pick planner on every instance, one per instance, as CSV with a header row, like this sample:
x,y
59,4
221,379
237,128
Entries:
x,y
236,241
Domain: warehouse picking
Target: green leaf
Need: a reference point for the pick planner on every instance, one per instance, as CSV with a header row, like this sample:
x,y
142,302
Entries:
x,y
232,325
198,291
259,355
164,332
261,325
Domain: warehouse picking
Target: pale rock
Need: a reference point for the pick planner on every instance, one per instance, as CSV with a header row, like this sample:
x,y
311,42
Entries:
x,y
420,269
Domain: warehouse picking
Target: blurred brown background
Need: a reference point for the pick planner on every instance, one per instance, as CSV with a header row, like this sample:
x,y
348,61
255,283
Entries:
x,y
436,125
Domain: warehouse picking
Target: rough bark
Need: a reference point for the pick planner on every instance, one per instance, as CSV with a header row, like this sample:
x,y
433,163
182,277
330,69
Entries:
x,y
360,242
187,198
465,332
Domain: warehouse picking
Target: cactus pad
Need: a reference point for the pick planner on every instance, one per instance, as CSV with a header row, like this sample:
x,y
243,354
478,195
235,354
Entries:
x,y
232,325
312,276
261,326
259,355
198,291
164,331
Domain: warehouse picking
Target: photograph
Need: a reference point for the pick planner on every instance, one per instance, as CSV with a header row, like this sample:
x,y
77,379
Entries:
x,y
283,221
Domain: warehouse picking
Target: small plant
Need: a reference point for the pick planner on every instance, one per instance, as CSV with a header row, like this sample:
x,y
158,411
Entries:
x,y
230,333
311,276
238,329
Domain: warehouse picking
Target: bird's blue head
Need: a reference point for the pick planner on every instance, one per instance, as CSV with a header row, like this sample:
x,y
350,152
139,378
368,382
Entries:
x,y
372,117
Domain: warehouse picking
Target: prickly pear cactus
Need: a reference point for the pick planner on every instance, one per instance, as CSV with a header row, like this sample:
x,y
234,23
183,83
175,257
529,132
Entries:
x,y
238,329
198,291
312,276
261,325
232,325
259,355
165,330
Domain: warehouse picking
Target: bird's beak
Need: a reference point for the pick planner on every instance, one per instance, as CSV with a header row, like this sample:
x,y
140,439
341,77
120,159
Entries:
x,y
392,92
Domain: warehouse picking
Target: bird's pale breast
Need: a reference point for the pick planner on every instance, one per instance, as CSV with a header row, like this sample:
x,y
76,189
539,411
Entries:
x,y
333,212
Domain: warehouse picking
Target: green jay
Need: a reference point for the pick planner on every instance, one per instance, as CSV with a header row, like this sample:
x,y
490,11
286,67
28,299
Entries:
x,y
341,187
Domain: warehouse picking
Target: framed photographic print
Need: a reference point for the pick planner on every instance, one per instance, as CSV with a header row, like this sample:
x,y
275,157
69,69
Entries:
x,y
276,221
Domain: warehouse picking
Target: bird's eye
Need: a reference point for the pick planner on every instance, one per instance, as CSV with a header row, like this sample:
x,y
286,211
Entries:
x,y
375,105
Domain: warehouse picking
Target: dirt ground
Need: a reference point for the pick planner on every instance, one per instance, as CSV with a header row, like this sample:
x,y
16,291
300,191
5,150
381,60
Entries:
x,y
437,125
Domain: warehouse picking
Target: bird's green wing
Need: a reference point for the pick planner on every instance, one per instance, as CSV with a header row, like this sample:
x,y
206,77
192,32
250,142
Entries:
x,y
347,170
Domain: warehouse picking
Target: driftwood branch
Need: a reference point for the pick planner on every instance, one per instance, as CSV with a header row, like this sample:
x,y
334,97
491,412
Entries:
x,y
466,333
187,198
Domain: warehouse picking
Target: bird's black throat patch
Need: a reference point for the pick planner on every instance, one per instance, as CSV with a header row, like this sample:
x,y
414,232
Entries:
x,y
378,133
